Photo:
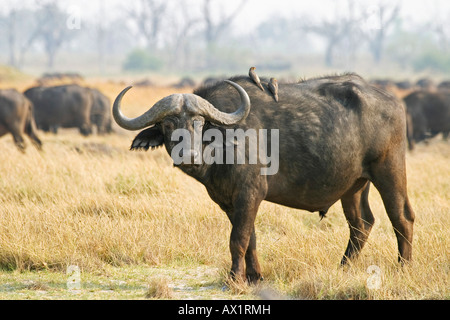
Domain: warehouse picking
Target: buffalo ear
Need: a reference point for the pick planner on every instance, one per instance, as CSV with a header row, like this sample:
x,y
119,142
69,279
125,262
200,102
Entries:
x,y
149,138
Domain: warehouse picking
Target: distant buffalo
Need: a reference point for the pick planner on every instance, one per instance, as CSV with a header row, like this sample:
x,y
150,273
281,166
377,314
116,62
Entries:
x,y
16,117
430,114
65,106
58,76
185,82
444,85
101,112
426,84
209,81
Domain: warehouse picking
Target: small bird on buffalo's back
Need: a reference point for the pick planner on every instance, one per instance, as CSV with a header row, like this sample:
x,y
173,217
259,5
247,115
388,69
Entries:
x,y
252,74
273,87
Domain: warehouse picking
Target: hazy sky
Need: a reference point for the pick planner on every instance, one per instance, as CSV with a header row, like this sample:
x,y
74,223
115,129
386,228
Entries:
x,y
412,10
256,11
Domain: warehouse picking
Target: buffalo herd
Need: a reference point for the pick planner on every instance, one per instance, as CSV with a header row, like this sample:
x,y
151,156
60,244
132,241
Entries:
x,y
427,106
16,117
333,136
49,108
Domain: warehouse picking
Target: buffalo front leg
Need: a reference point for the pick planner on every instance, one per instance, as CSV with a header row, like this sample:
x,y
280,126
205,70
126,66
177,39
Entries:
x,y
253,269
245,263
237,244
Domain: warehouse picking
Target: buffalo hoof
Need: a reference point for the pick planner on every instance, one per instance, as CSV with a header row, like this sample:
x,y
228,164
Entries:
x,y
254,279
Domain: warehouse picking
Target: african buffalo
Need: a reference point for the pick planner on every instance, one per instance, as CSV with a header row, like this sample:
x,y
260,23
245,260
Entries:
x,y
336,135
16,117
66,106
444,85
101,112
430,113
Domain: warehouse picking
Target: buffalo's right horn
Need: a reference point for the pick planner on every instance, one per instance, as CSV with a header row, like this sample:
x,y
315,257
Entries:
x,y
168,106
173,104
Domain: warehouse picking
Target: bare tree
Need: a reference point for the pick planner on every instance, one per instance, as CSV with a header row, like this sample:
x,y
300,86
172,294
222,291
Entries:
x,y
20,27
383,16
148,16
214,29
101,39
10,23
334,31
11,27
440,27
52,29
183,26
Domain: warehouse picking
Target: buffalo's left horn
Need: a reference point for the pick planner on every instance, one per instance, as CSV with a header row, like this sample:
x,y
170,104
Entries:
x,y
216,116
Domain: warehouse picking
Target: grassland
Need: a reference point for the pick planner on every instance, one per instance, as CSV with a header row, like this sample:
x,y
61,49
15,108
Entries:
x,y
138,228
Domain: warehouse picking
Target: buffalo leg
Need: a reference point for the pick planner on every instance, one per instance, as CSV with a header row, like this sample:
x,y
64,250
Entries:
x,y
85,130
389,178
18,140
359,218
253,269
243,239
3,130
34,139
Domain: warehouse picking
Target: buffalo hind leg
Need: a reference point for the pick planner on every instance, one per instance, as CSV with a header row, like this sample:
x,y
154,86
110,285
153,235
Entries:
x,y
359,218
389,178
18,140
30,131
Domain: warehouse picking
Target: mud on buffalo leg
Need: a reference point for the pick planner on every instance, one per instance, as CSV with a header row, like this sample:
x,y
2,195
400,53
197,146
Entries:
x,y
359,218
389,177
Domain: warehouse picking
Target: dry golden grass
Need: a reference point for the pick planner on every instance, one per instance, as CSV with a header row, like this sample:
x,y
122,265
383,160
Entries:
x,y
159,289
93,203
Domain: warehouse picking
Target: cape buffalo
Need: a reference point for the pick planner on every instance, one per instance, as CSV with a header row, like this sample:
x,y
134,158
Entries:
x,y
430,114
336,135
16,117
66,106
101,112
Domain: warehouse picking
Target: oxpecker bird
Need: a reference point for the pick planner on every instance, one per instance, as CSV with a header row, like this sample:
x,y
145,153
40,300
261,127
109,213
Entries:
x,y
252,74
273,87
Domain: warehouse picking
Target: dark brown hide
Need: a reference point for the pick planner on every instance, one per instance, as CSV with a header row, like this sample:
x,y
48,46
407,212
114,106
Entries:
x,y
16,117
336,134
66,106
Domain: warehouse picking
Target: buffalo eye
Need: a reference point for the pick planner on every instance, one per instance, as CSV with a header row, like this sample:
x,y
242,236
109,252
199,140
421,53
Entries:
x,y
169,125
